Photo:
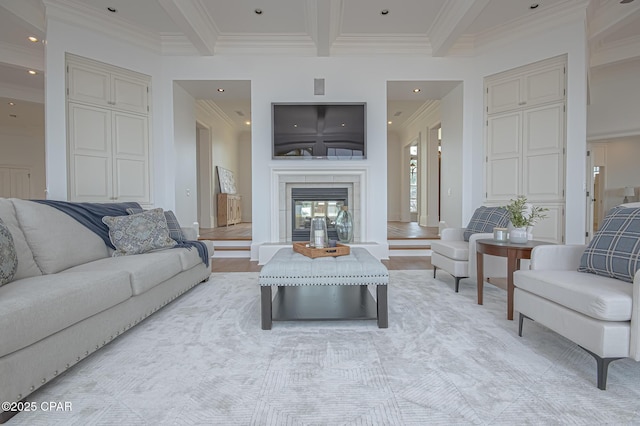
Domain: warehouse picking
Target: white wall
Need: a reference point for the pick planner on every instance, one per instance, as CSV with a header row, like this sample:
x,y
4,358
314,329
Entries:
x,y
614,109
621,169
280,79
23,147
394,176
452,154
185,147
244,174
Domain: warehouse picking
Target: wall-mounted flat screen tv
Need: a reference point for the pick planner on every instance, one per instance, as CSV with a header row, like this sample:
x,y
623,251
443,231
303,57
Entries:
x,y
333,131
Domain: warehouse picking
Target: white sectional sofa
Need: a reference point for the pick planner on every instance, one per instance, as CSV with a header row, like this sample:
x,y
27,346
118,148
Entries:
x,y
69,297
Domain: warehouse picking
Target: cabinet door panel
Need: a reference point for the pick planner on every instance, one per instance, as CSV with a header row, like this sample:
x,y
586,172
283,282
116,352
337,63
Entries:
x,y
503,178
130,135
544,129
545,86
552,228
88,85
504,95
5,182
131,180
89,129
94,178
130,94
504,135
543,180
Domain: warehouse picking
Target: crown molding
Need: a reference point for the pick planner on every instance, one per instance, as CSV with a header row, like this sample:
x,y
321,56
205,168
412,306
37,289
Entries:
x,y
23,93
205,108
426,109
613,53
78,14
193,19
552,17
19,56
374,44
176,44
633,132
266,44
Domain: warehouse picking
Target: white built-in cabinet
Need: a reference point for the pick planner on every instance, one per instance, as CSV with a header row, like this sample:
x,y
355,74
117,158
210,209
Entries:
x,y
525,140
108,133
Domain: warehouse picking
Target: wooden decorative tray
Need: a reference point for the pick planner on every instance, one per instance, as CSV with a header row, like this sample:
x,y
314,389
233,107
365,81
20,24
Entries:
x,y
338,250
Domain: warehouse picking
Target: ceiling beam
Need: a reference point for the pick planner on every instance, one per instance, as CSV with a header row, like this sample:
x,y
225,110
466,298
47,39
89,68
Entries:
x,y
323,20
29,16
452,21
607,20
194,21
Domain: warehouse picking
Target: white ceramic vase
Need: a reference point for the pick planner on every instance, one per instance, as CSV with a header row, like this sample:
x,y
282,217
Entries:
x,y
518,235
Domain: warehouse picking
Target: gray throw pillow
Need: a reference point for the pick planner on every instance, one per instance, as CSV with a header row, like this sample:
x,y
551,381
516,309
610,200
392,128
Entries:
x,y
484,219
138,233
175,231
614,250
8,255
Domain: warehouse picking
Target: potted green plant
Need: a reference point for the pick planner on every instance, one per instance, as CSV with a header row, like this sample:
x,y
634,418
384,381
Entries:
x,y
522,216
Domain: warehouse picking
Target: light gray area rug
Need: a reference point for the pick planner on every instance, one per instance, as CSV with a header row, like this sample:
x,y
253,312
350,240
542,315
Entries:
x,y
444,359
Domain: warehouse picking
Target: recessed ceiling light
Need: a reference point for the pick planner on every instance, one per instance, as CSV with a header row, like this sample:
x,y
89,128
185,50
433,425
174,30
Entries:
x,y
112,9
32,39
248,123
417,90
13,116
220,89
258,11
295,125
389,122
343,125
534,6
32,72
384,12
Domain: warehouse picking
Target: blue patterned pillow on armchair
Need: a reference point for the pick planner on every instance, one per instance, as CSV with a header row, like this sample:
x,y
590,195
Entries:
x,y
485,219
614,251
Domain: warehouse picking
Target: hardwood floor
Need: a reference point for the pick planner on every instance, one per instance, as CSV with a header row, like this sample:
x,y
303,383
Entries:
x,y
246,265
395,230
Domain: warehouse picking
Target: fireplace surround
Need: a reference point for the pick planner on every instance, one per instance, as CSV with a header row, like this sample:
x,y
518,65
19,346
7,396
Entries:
x,y
284,180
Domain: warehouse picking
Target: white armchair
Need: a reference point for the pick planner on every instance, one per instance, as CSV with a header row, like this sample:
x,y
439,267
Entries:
x,y
589,294
456,256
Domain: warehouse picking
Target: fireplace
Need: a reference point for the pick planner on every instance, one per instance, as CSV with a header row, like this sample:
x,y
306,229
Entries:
x,y
315,202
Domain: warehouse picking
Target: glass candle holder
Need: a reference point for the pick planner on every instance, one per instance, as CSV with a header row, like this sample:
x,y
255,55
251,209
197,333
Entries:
x,y
318,236
500,234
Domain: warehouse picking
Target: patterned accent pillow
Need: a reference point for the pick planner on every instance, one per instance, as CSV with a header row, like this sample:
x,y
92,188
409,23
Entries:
x,y
8,255
175,231
484,219
138,233
615,249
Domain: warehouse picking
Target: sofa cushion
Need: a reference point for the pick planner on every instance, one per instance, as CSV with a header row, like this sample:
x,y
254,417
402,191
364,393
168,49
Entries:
x,y
8,255
138,233
598,297
614,250
27,266
484,219
175,231
145,270
56,239
457,250
34,308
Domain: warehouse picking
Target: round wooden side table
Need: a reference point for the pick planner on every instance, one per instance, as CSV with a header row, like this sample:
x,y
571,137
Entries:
x,y
513,252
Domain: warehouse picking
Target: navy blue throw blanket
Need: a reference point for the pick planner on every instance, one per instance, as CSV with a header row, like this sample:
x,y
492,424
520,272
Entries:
x,y
91,214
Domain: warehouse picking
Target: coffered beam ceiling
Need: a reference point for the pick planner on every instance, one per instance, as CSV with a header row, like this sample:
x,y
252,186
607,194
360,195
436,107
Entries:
x,y
452,22
193,19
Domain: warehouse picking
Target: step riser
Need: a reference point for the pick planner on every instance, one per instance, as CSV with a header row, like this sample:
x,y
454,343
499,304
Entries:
x,y
409,253
226,254
232,243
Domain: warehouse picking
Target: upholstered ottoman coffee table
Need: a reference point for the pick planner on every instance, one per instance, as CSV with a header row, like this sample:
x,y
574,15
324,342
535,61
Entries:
x,y
324,288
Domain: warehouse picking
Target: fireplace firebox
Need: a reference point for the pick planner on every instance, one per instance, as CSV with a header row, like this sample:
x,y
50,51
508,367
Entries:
x,y
315,202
